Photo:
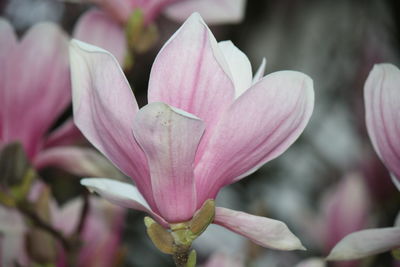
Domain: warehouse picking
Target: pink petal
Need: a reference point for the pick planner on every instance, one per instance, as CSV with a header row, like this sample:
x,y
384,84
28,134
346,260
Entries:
x,y
366,243
8,41
262,231
261,124
239,66
104,109
79,161
382,105
213,11
37,87
190,73
66,134
122,194
98,28
170,137
98,249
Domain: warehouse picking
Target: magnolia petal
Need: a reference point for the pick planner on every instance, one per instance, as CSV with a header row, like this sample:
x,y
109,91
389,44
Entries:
x,y
260,72
122,194
98,28
382,105
79,161
203,86
213,11
262,231
66,134
170,137
239,66
261,124
104,107
366,243
8,41
37,88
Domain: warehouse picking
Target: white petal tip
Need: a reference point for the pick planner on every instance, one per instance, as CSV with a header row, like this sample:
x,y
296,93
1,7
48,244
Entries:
x,y
76,44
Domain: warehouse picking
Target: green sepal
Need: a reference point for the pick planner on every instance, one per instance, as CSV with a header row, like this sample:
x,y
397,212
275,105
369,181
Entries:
x,y
203,217
160,237
140,37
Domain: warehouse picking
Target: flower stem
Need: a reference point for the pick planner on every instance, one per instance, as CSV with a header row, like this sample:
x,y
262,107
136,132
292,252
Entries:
x,y
181,255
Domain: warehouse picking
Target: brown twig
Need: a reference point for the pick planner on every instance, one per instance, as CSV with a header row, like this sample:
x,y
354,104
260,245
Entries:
x,y
45,226
84,213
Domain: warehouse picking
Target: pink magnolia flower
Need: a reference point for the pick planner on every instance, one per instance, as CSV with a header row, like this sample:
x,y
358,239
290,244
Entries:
x,y
366,242
213,11
101,235
35,89
103,27
208,124
346,209
382,114
97,250
382,106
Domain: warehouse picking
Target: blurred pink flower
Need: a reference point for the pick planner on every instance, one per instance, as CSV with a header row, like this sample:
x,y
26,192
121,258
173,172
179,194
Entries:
x,y
208,124
346,209
103,28
213,11
101,235
382,108
35,89
365,243
382,105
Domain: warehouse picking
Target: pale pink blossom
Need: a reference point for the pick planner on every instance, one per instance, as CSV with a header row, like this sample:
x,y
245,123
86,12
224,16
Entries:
x,y
382,110
208,124
104,27
213,11
101,234
346,209
365,243
382,106
35,89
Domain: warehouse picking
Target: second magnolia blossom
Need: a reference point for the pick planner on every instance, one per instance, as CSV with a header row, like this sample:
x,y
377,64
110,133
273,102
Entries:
x,y
208,124
104,27
382,109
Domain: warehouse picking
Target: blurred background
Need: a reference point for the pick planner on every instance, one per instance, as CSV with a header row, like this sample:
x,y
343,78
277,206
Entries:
x,y
330,182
